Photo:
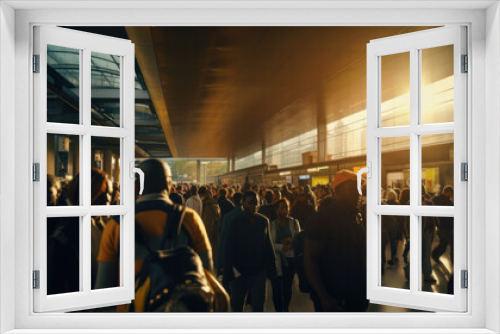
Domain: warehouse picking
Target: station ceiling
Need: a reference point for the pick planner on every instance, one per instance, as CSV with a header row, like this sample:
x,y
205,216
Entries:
x,y
222,91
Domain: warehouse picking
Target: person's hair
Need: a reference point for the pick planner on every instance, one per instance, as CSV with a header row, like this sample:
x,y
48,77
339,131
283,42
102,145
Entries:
x,y
249,193
222,192
237,198
391,195
404,197
99,186
448,189
269,196
283,200
194,190
202,191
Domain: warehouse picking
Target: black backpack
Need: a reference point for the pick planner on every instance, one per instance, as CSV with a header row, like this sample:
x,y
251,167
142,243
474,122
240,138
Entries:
x,y
171,279
298,251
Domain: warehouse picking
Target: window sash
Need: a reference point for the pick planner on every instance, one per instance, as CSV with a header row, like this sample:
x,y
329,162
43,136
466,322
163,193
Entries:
x,y
86,43
413,43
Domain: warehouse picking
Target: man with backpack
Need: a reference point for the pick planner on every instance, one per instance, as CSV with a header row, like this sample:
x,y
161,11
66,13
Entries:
x,y
152,222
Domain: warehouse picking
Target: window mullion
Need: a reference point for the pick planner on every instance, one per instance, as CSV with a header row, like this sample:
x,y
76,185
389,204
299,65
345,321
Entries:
x,y
415,178
85,172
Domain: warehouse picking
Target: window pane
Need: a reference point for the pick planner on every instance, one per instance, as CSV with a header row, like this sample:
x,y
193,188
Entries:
x,y
63,85
437,167
395,93
63,166
437,254
63,255
395,168
105,183
102,258
437,91
105,89
395,251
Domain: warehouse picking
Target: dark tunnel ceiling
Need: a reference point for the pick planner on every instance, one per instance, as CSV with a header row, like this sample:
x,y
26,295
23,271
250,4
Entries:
x,y
224,85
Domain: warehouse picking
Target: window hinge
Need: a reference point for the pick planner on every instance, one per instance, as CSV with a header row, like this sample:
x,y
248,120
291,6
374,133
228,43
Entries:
x,y
465,279
36,63
36,172
36,279
465,64
465,171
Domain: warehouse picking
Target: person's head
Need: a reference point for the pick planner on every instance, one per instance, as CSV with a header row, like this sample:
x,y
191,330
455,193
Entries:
x,y
53,190
157,176
391,195
404,197
101,190
282,208
276,195
250,202
193,191
345,187
237,198
448,191
176,198
269,196
203,192
222,193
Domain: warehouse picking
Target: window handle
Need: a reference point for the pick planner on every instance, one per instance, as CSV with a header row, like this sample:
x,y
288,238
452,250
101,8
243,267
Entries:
x,y
360,173
134,170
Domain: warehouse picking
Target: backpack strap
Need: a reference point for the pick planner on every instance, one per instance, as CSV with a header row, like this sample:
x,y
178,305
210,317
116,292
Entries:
x,y
175,216
140,237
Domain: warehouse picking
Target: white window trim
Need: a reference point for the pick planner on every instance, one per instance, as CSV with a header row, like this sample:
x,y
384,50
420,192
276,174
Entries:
x,y
483,103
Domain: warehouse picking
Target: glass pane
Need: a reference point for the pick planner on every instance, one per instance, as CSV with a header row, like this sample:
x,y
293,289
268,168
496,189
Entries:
x,y
396,251
105,89
63,255
105,183
395,94
395,168
63,85
105,252
437,91
437,254
437,168
63,166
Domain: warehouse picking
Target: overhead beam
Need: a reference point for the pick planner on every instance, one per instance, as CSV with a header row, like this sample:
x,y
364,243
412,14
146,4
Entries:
x,y
146,58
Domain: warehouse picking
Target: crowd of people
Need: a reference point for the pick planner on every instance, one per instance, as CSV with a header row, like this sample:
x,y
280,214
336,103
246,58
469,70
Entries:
x,y
243,235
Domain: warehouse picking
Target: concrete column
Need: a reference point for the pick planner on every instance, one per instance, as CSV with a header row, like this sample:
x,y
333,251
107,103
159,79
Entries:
x,y
321,125
198,171
263,152
233,163
228,164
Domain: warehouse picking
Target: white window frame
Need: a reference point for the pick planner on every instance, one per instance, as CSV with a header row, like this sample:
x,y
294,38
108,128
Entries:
x,y
413,44
483,310
85,43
